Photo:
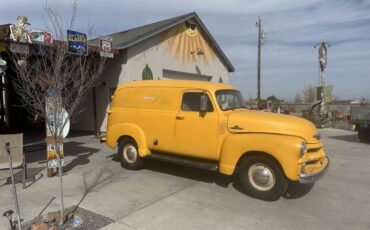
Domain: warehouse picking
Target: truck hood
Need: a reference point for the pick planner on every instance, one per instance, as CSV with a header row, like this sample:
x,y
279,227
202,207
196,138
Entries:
x,y
246,121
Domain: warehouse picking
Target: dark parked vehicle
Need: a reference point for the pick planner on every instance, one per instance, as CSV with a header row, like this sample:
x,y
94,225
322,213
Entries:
x,y
360,117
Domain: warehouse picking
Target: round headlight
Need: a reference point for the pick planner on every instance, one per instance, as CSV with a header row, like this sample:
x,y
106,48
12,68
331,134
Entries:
x,y
303,148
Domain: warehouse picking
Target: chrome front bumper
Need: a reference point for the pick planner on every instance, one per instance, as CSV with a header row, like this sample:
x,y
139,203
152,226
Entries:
x,y
313,177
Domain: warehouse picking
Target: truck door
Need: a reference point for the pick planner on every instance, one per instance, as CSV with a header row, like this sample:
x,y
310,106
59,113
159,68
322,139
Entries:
x,y
196,133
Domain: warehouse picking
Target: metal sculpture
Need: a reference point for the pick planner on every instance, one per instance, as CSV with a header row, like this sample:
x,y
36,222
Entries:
x,y
18,32
323,114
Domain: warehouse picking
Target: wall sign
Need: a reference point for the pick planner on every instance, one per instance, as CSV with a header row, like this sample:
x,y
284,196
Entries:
x,y
52,155
39,36
106,46
19,48
77,42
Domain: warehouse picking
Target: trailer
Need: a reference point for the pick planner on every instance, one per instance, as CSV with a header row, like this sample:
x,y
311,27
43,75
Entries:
x,y
360,117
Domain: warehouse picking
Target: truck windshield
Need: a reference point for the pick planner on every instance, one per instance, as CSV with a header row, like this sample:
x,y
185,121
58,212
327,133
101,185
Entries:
x,y
230,99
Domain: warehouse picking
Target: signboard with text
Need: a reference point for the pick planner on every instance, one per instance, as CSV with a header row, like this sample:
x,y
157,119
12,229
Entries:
x,y
39,36
106,46
77,42
52,155
328,91
19,48
56,117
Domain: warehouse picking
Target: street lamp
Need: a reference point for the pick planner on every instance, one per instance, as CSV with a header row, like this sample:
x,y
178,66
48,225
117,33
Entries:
x,y
9,215
2,65
7,149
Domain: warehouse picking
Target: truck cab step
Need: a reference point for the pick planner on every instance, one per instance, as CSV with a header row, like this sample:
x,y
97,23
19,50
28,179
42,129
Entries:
x,y
195,163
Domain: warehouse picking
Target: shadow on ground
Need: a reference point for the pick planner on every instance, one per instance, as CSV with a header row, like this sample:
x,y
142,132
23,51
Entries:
x,y
72,148
349,138
295,190
189,172
81,154
75,133
95,179
37,154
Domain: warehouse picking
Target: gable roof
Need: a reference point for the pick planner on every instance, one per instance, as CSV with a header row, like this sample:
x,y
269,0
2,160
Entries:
x,y
127,38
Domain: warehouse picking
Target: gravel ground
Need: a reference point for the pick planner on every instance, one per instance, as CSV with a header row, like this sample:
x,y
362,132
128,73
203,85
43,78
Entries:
x,y
90,221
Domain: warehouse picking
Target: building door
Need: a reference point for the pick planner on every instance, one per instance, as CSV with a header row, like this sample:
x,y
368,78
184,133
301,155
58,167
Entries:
x,y
196,134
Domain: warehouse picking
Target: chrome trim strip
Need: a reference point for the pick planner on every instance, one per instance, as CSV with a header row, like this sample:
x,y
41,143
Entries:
x,y
313,177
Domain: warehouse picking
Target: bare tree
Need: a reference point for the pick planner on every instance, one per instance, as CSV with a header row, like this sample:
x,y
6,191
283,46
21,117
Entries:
x,y
298,97
309,93
66,79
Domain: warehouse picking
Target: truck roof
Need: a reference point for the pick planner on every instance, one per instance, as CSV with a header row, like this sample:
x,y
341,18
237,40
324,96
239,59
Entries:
x,y
210,86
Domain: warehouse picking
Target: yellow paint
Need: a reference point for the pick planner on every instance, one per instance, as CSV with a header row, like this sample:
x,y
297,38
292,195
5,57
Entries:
x,y
147,111
191,28
187,44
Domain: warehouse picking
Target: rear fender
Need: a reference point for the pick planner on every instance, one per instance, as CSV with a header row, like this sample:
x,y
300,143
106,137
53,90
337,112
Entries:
x,y
116,131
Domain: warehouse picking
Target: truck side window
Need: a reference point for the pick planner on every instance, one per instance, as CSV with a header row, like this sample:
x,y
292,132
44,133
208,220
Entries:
x,y
191,102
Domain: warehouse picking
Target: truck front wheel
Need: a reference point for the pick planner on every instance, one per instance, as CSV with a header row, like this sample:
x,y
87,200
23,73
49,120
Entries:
x,y
364,134
262,178
128,154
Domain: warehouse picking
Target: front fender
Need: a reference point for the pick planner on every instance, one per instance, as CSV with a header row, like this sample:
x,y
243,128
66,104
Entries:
x,y
119,130
285,149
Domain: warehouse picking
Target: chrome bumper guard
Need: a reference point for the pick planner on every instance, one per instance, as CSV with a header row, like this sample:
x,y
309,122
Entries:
x,y
313,177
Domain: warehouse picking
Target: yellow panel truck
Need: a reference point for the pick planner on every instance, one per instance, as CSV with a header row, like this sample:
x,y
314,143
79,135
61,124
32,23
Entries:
x,y
207,125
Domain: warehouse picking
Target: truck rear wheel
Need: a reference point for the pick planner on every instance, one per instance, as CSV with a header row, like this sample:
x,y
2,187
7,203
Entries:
x,y
128,154
364,134
262,178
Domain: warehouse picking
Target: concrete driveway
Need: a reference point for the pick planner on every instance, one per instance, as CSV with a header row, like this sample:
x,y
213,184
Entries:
x,y
165,196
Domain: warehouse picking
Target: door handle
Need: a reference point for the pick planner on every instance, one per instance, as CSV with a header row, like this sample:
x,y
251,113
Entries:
x,y
180,118
236,127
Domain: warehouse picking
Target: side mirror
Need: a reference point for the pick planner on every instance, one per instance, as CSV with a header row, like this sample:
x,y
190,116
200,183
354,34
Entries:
x,y
203,103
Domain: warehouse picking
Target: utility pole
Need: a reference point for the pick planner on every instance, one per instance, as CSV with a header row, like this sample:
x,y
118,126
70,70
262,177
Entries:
x,y
260,37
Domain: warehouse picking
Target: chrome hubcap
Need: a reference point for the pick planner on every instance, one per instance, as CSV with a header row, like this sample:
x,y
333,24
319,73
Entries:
x,y
130,153
261,176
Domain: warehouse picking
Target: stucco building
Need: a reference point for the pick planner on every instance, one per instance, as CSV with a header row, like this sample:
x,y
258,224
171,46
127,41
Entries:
x,y
172,49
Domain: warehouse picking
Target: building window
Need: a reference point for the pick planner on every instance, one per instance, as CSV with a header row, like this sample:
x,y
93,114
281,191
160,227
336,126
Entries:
x,y
147,73
191,102
220,80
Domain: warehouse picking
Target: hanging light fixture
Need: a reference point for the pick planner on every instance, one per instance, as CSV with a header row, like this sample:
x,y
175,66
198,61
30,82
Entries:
x,y
2,65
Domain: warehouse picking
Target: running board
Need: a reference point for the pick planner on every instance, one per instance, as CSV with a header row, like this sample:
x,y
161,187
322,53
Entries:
x,y
184,161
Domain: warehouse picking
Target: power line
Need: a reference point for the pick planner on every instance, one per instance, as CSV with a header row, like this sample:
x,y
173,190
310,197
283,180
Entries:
x,y
298,26
291,29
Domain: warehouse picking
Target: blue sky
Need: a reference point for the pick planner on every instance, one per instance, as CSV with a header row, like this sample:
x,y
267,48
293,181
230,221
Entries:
x,y
289,60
